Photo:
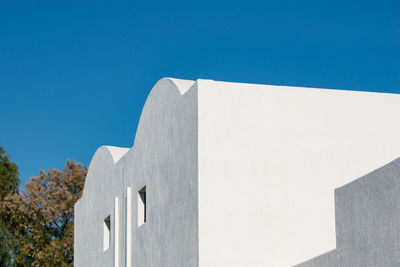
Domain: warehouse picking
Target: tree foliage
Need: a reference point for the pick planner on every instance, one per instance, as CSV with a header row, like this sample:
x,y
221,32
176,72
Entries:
x,y
9,182
42,215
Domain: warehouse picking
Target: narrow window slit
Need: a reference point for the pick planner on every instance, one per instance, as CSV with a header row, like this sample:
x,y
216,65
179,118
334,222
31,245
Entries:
x,y
106,233
142,210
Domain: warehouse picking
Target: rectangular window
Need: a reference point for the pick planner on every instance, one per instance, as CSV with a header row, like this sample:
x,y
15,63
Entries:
x,y
142,206
106,233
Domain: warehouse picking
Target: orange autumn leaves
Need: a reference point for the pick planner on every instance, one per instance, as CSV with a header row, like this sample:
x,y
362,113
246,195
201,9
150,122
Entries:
x,y
41,217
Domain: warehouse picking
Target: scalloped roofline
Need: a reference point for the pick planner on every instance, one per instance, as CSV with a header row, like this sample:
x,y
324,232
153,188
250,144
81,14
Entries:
x,y
182,85
116,152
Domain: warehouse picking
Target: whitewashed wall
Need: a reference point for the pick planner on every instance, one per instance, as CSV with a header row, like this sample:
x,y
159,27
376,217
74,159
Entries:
x,y
270,158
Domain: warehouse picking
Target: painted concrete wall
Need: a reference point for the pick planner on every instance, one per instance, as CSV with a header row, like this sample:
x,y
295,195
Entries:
x,y
164,159
367,222
95,205
235,174
270,158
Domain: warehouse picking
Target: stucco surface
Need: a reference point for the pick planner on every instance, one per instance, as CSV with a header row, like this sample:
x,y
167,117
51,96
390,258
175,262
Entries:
x,y
164,159
367,222
240,175
270,158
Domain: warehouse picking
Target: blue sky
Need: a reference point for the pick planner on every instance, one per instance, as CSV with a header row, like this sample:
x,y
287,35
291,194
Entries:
x,y
74,75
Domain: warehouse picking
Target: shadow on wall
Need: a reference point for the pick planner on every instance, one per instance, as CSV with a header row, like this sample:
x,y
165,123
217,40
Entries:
x,y
367,221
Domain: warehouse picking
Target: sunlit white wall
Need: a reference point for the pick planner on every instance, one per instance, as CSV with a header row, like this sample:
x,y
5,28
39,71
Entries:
x,y
270,158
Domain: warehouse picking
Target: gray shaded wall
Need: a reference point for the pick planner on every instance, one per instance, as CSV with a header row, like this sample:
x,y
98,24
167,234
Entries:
x,y
367,222
164,159
244,153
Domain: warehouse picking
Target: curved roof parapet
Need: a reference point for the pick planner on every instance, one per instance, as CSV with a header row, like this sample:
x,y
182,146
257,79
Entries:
x,y
182,85
161,96
106,157
116,152
103,162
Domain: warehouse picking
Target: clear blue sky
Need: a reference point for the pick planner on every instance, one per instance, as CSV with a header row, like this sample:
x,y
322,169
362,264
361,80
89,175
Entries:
x,y
74,75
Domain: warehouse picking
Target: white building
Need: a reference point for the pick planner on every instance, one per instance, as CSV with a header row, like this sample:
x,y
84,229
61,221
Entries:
x,y
228,174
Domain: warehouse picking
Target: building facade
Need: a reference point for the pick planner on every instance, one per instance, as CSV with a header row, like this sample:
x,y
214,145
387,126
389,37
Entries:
x,y
230,174
367,222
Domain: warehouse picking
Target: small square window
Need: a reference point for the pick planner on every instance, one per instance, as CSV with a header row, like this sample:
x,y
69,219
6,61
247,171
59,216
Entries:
x,y
106,233
142,216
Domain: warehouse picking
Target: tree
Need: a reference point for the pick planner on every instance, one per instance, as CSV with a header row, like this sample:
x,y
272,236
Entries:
x,y
9,182
42,216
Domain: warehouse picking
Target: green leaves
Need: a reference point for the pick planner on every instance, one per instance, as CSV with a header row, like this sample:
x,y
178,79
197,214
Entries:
x,y
41,216
9,182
